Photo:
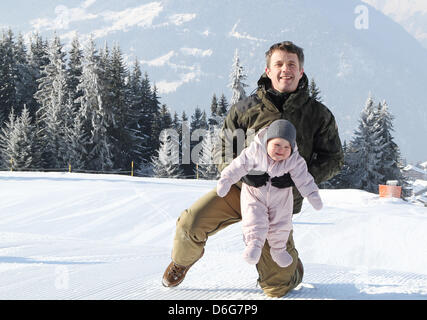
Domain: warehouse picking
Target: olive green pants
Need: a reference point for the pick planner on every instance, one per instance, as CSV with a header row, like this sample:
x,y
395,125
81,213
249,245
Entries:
x,y
210,214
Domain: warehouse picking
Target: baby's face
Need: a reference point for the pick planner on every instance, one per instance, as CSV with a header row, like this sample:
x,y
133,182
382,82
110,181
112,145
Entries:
x,y
279,149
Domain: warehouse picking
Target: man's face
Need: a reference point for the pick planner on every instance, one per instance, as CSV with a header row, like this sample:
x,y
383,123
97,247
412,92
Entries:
x,y
284,71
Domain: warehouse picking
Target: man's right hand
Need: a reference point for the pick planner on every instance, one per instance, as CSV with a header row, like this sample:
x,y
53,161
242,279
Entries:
x,y
256,180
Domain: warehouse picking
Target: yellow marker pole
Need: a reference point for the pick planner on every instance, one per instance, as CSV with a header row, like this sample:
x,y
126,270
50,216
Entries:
x,y
132,170
69,168
197,171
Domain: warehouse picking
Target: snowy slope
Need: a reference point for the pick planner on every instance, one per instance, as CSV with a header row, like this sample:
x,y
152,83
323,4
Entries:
x,y
79,236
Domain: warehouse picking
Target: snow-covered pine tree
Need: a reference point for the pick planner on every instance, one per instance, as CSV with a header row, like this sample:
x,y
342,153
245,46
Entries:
x,y
166,162
341,180
176,123
24,76
154,114
198,120
75,71
8,75
314,91
17,141
214,119
390,156
37,60
77,140
198,125
52,97
165,118
6,155
146,120
122,137
138,120
222,107
93,115
237,77
185,138
207,168
365,151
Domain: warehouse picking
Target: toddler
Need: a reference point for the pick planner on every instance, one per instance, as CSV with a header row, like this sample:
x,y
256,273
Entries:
x,y
267,210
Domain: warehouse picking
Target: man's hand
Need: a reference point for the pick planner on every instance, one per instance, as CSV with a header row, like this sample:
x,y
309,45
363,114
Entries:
x,y
256,180
284,181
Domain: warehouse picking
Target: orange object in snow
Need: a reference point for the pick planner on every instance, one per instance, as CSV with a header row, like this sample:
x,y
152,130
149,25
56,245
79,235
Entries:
x,y
389,191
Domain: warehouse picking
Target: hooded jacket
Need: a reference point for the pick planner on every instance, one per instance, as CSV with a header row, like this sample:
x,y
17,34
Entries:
x,y
317,133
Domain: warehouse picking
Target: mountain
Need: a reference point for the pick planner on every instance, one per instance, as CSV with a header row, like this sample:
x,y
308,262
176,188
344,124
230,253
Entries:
x,y
412,15
187,48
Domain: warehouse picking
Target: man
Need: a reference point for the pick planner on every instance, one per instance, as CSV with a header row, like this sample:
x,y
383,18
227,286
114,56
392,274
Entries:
x,y
282,94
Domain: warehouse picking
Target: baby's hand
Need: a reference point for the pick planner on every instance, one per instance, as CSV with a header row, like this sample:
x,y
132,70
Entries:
x,y
315,200
222,187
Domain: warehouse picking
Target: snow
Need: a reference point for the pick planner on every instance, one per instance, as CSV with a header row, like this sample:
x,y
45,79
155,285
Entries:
x,y
81,236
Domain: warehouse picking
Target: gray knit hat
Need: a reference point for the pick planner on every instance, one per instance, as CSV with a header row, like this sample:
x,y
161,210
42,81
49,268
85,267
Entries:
x,y
282,129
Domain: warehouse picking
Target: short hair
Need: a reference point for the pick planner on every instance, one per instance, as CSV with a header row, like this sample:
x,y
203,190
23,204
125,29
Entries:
x,y
287,46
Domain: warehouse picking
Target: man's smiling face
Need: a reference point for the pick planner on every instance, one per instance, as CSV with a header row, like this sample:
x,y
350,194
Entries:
x,y
284,71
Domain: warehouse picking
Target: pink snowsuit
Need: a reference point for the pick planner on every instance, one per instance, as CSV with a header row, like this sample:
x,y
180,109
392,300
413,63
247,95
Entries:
x,y
267,210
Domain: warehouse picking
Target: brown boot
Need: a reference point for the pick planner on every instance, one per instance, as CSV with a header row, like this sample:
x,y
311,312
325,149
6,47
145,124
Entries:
x,y
175,273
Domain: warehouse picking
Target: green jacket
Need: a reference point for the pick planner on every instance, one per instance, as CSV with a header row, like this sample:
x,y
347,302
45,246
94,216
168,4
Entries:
x,y
317,133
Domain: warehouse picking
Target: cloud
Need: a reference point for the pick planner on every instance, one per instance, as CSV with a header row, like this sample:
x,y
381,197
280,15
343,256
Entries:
x,y
64,16
235,34
160,61
181,18
196,52
165,87
141,16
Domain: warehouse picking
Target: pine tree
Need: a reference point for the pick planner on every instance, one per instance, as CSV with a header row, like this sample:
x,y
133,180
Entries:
x,y
365,151
185,138
24,77
17,140
214,119
237,77
222,107
76,141
52,97
154,116
94,117
138,119
146,120
341,180
166,162
8,76
198,120
390,156
176,122
207,168
75,71
122,137
37,60
165,118
314,91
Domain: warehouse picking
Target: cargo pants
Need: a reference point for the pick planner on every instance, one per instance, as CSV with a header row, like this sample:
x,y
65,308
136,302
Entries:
x,y
210,214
